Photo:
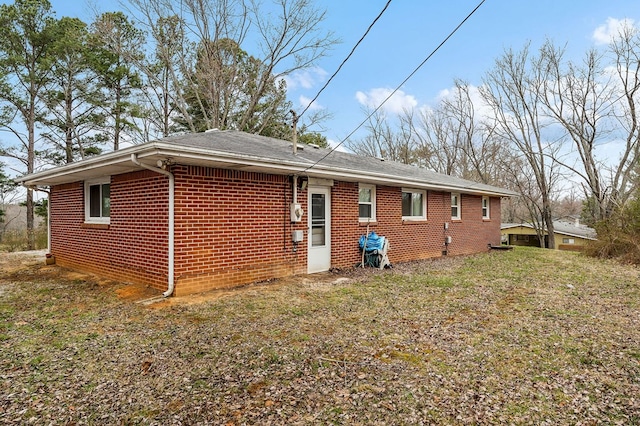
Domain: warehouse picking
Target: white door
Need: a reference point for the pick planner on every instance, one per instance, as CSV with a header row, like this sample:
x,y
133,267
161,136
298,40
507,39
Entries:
x,y
319,208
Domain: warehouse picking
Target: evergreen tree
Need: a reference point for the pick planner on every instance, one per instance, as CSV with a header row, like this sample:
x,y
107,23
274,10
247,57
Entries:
x,y
26,40
223,83
117,45
72,98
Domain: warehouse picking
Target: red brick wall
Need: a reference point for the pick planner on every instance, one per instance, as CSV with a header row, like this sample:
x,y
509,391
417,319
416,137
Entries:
x,y
133,247
411,240
233,227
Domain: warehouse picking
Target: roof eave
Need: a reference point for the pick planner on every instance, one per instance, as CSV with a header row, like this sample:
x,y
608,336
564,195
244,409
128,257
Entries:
x,y
555,231
122,158
113,158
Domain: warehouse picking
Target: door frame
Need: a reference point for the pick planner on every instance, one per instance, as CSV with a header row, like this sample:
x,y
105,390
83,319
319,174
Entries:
x,y
325,251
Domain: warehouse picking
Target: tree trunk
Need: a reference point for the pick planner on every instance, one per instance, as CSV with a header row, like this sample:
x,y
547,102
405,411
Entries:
x,y
31,159
68,130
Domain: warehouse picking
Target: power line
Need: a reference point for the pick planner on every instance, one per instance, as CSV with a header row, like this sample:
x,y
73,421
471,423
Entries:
x,y
398,87
346,59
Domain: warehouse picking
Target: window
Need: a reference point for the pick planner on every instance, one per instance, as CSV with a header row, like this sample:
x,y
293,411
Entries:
x,y
414,204
367,202
318,219
455,206
97,201
568,241
485,208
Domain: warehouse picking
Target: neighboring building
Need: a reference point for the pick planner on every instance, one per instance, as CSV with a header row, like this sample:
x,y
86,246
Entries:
x,y
222,208
567,236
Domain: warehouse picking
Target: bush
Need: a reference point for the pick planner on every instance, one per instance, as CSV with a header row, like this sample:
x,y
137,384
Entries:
x,y
619,236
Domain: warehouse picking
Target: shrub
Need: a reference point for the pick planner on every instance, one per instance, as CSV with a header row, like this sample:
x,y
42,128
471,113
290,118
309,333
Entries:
x,y
16,240
619,235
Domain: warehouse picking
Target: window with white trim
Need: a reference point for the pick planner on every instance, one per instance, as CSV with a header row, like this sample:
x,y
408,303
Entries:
x,y
366,202
455,206
414,204
568,241
97,201
485,208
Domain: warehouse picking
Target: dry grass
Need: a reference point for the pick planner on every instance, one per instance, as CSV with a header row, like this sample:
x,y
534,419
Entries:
x,y
522,337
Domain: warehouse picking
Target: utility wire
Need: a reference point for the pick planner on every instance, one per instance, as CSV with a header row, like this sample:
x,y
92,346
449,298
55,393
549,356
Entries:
x,y
347,58
398,87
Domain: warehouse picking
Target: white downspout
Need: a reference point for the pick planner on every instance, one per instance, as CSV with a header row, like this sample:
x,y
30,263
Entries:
x,y
170,281
49,221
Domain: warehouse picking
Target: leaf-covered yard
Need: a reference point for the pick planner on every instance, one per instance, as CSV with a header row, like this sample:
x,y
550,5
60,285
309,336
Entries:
x,y
528,336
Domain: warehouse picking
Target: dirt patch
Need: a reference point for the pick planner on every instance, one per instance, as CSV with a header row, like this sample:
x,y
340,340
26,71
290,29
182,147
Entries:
x,y
319,282
16,261
31,265
136,292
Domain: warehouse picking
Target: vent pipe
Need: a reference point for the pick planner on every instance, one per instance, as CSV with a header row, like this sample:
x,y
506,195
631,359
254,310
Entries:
x,y
294,126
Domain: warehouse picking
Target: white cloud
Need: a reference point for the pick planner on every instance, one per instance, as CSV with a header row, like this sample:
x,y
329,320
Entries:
x,y
304,101
305,79
444,93
398,103
604,33
333,144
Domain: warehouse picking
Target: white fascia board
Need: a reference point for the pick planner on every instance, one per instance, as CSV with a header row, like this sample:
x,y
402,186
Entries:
x,y
119,157
381,179
569,234
302,167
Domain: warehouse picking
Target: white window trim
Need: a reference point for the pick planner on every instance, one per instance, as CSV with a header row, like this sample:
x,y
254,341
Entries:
x,y
459,206
373,202
87,184
424,204
488,215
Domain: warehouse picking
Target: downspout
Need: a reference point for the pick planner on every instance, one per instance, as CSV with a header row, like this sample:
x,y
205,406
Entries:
x,y
49,221
172,182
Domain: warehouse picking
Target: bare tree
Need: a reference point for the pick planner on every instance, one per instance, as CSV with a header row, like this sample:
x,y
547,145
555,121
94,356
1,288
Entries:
x,y
579,97
569,205
626,51
216,81
511,90
474,136
452,138
385,140
437,142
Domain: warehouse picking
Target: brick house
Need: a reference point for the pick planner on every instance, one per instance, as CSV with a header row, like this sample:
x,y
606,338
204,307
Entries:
x,y
217,209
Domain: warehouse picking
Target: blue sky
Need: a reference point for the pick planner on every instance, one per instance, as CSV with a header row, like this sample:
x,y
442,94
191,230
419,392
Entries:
x,y
410,30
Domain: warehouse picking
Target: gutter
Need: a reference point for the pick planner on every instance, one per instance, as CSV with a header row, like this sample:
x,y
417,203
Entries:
x,y
299,165
170,281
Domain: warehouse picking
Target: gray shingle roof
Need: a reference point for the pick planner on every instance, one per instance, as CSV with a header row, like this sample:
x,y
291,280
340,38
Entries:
x,y
560,227
234,149
275,149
